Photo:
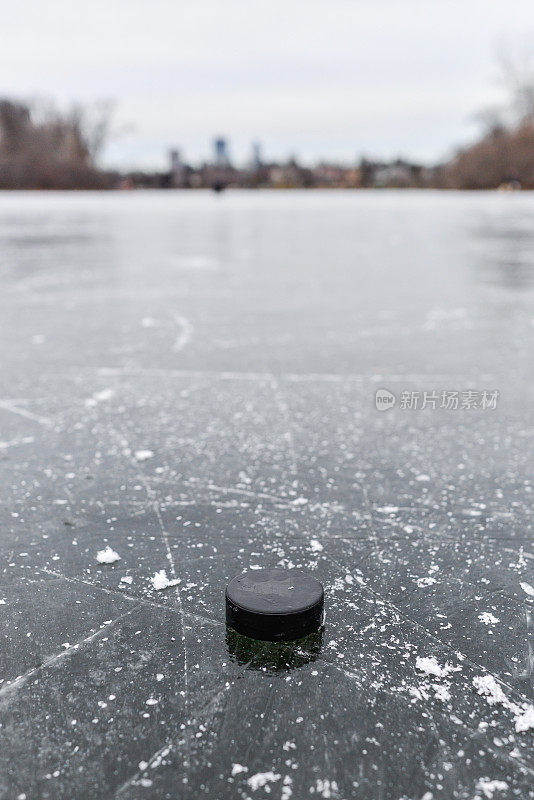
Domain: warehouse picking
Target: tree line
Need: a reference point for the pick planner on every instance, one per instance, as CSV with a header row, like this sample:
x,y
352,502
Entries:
x,y
42,147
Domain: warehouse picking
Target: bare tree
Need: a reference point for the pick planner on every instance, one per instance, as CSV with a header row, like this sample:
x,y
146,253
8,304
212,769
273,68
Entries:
x,y
43,147
517,76
94,123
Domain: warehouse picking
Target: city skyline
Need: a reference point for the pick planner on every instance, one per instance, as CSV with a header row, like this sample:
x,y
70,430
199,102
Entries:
x,y
219,153
332,83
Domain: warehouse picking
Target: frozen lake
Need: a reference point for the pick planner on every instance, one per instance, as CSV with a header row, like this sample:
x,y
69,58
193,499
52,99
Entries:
x,y
190,379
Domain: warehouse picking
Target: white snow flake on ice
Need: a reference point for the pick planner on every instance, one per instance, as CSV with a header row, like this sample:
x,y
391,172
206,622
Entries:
x,y
487,686
326,788
262,779
316,546
160,581
525,721
422,478
419,694
299,501
287,791
104,394
238,768
441,692
427,581
99,397
126,579
430,666
143,455
487,618
107,556
527,588
488,788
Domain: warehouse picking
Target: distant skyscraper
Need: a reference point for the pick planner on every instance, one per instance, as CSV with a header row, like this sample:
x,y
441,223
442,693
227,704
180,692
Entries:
x,y
177,168
220,147
176,161
256,155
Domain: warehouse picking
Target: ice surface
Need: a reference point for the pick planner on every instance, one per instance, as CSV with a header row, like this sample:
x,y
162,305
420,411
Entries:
x,y
199,422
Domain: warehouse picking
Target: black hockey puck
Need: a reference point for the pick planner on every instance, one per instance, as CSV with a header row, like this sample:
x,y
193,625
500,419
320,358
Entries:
x,y
274,604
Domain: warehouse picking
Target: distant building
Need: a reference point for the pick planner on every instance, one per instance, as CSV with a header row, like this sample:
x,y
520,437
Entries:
x,y
175,159
395,174
177,168
220,148
256,160
290,175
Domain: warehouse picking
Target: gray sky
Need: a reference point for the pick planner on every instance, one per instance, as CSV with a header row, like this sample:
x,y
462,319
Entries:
x,y
332,78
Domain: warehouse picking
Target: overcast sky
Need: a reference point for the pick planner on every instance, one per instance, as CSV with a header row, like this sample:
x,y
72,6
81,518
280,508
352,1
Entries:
x,y
316,78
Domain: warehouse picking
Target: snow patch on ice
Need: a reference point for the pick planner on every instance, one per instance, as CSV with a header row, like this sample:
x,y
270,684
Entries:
x,y
161,581
525,721
287,791
99,397
427,581
107,556
488,787
441,692
238,768
261,779
430,666
327,789
488,619
299,501
487,686
143,455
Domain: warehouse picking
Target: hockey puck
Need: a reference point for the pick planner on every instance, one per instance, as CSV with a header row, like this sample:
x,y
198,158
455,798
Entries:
x,y
274,604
